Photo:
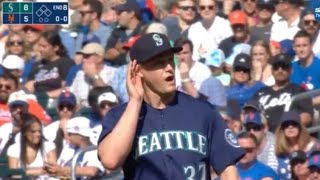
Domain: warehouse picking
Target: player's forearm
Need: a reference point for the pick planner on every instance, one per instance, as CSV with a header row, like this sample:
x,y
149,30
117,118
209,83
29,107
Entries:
x,y
230,173
115,147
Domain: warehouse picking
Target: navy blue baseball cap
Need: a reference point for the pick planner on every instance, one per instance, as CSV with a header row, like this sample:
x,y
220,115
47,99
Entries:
x,y
297,156
290,116
242,60
253,117
67,97
129,5
281,58
314,160
151,45
253,104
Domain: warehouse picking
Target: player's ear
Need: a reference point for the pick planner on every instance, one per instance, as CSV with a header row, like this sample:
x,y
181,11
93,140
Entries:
x,y
139,72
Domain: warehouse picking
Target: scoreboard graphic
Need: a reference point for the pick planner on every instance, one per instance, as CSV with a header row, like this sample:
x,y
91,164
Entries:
x,y
35,12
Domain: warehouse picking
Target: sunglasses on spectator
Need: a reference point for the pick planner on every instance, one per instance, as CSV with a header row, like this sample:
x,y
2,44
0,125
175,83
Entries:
x,y
253,127
202,8
289,123
284,66
249,149
249,0
241,69
83,13
238,27
16,106
265,7
6,86
69,107
298,161
314,169
309,22
105,104
186,8
15,43
86,56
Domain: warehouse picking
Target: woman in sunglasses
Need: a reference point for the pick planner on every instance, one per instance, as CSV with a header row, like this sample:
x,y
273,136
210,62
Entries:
x,y
291,136
299,165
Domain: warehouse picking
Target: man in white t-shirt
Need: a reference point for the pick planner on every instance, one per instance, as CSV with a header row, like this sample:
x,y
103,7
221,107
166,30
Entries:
x,y
189,74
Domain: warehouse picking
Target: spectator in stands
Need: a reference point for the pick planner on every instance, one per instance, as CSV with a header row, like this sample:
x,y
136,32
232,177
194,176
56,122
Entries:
x,y
90,14
291,136
32,152
249,167
273,99
129,25
207,33
48,75
299,165
265,10
243,88
239,23
312,27
15,65
8,84
190,73
256,124
288,25
56,131
94,72
88,165
179,24
250,8
33,34
314,165
215,61
261,67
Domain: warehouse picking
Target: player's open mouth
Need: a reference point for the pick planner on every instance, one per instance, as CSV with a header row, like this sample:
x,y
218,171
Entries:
x,y
169,78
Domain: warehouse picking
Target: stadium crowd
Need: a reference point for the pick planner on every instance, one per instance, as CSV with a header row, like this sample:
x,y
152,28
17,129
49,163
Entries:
x,y
246,57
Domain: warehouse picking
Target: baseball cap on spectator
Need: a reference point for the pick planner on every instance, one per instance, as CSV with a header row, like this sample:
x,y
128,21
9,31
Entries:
x,y
67,97
92,48
37,27
314,160
297,157
287,47
238,17
290,116
253,104
243,61
281,58
129,5
109,97
12,62
266,3
130,42
151,45
18,98
79,125
215,58
237,49
254,117
91,38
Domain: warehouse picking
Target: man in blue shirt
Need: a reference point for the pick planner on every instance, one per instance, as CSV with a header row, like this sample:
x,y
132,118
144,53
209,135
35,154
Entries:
x,y
162,133
249,167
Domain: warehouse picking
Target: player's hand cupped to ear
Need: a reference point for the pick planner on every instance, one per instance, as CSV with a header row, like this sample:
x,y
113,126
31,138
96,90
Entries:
x,y
134,82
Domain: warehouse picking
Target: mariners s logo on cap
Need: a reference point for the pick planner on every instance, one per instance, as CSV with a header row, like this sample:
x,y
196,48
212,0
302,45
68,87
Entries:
x,y
231,138
157,39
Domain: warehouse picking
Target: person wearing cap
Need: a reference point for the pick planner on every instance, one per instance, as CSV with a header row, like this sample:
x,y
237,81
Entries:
x,y
190,73
256,124
88,165
156,107
299,165
239,23
90,14
249,167
305,71
312,26
273,99
288,25
14,65
94,72
314,165
129,24
243,88
249,7
215,61
47,76
33,33
265,10
207,33
291,136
